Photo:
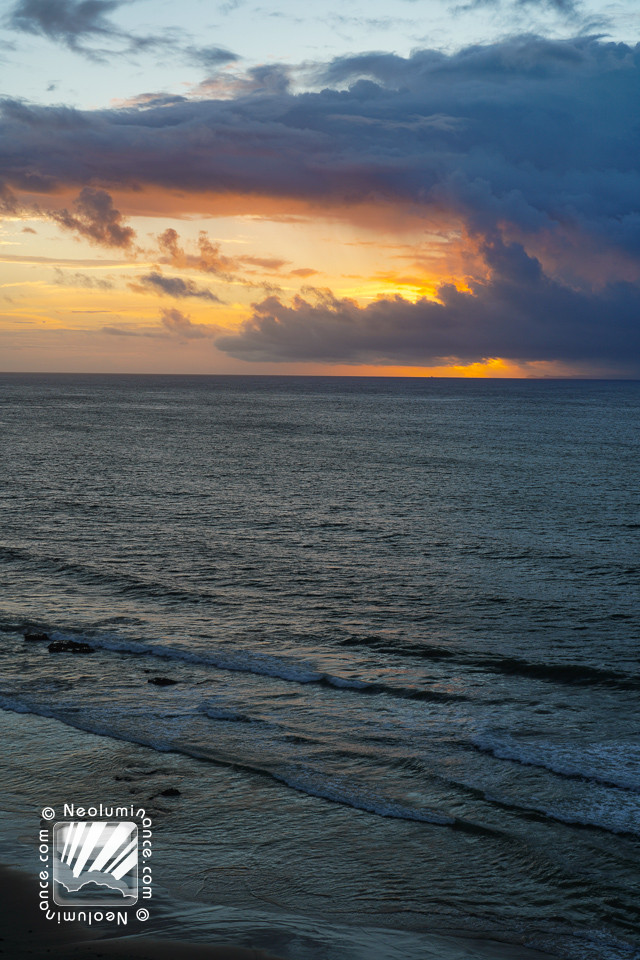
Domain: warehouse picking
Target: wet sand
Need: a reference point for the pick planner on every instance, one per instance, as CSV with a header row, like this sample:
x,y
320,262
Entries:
x,y
25,932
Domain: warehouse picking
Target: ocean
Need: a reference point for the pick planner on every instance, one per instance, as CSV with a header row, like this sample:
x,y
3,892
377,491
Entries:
x,y
396,625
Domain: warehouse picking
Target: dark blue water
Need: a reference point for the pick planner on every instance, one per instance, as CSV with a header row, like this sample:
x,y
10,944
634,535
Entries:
x,y
403,616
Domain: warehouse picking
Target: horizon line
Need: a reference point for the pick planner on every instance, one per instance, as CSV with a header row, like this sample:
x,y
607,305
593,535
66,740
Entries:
x,y
306,376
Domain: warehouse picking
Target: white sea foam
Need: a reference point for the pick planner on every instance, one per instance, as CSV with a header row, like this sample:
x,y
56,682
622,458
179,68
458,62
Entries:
x,y
283,668
615,814
614,763
269,665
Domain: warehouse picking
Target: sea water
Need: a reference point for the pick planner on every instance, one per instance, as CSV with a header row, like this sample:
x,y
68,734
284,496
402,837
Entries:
x,y
402,621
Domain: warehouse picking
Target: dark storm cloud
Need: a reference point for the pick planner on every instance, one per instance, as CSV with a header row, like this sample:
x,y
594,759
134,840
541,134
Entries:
x,y
533,133
96,219
174,287
519,314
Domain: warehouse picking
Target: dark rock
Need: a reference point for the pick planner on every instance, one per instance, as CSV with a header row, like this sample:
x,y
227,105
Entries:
x,y
170,792
33,636
69,646
162,681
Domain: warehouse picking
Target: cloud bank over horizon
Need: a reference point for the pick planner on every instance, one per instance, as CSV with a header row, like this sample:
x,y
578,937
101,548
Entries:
x,y
520,314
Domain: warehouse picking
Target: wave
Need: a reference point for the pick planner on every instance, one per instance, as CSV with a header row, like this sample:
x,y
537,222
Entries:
x,y
221,713
609,817
334,790
310,785
610,765
613,814
421,651
240,661
577,674
123,583
261,664
369,802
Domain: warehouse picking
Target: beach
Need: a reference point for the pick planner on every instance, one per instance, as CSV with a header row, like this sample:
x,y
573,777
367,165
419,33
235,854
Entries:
x,y
27,934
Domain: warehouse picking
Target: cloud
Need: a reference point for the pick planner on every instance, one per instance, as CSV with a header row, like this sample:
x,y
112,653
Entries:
x,y
266,79
123,332
566,8
8,201
561,6
182,326
174,287
78,24
144,100
173,325
358,24
210,56
303,272
230,6
96,219
209,258
79,279
67,21
72,23
519,148
527,149
267,263
76,262
519,314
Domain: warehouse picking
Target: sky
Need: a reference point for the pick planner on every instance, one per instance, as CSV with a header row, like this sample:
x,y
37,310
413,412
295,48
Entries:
x,y
422,188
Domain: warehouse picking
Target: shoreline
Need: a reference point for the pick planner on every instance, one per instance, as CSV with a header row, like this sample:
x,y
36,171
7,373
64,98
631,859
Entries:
x,y
215,929
26,933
